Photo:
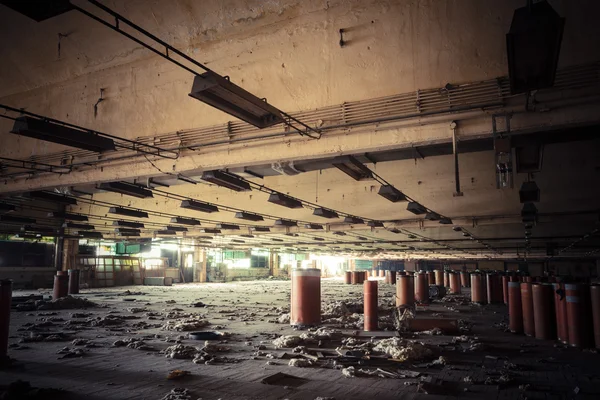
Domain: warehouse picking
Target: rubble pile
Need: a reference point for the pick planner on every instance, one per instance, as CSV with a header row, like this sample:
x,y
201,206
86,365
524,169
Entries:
x,y
181,352
186,324
65,303
402,349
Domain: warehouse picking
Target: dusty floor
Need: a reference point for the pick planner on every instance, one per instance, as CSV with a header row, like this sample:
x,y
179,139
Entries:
x,y
485,363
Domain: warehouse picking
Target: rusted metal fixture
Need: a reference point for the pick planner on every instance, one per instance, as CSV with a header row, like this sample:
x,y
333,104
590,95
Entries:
x,y
439,276
431,277
527,307
560,311
494,288
578,314
305,307
5,300
447,279
543,312
464,279
405,291
595,297
61,285
478,293
348,277
515,310
421,287
455,283
73,281
392,277
370,305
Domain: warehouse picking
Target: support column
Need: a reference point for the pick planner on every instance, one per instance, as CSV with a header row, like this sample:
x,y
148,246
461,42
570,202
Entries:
x,y
70,252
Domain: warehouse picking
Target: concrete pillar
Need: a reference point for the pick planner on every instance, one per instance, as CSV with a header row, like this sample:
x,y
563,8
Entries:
x,y
70,252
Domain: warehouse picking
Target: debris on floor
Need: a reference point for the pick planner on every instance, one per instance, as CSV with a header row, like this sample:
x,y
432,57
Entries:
x,y
22,390
402,349
300,362
177,374
65,303
178,394
180,351
70,353
187,324
287,341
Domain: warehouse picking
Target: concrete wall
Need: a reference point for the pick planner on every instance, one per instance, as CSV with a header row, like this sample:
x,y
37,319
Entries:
x,y
29,277
287,51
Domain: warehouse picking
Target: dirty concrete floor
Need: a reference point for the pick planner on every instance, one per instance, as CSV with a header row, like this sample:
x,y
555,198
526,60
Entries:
x,y
489,363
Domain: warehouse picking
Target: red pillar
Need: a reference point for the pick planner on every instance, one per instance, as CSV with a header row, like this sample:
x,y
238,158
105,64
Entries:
x,y
370,305
61,285
527,306
305,309
515,310
543,311
73,281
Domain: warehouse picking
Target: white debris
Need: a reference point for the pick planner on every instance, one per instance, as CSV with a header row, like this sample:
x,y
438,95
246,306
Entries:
x,y
287,341
180,351
284,318
401,349
349,372
300,363
187,324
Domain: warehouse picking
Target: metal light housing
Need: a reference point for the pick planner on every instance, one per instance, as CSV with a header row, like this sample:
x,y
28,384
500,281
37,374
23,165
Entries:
x,y
375,224
53,197
231,227
66,215
177,228
226,180
248,216
285,222
128,224
127,189
12,219
391,193
416,208
313,226
353,220
83,227
127,212
55,133
184,221
199,206
529,192
284,200
325,213
353,168
219,92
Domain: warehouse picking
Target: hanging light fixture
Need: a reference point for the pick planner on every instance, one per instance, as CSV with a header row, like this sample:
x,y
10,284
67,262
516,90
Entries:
x,y
284,200
391,193
184,221
248,216
226,180
127,189
127,212
325,213
199,206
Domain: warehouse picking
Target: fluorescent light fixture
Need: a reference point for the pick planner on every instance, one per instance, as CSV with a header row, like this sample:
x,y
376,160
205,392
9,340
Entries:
x,y
39,229
210,230
39,10
391,193
529,192
325,213
128,189
226,180
6,208
128,224
237,241
292,234
127,212
416,208
28,235
285,222
353,168
445,221
177,228
284,200
73,225
431,216
260,229
232,227
361,238
53,197
394,230
184,221
247,236
375,224
456,228
313,226
276,240
319,239
66,215
248,216
55,133
353,220
219,92
339,233
128,232
165,232
90,235
199,206
17,220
